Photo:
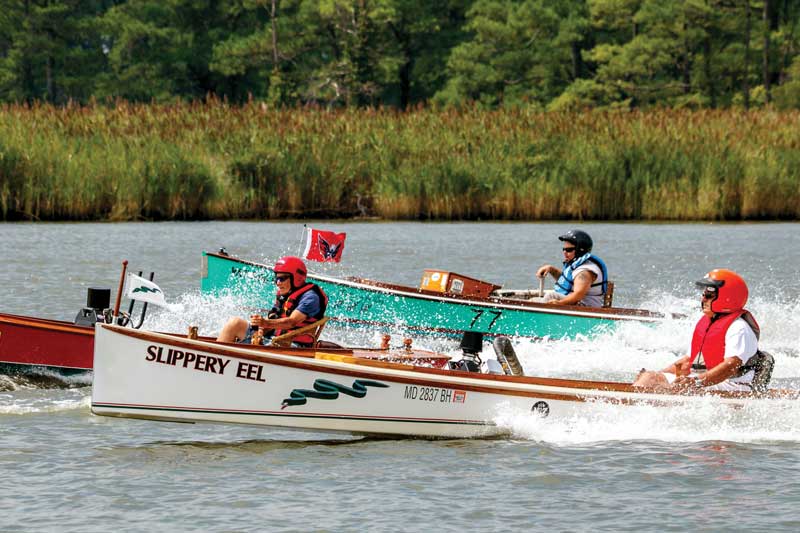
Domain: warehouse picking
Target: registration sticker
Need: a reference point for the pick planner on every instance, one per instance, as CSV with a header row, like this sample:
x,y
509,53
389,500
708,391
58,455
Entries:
x,y
434,394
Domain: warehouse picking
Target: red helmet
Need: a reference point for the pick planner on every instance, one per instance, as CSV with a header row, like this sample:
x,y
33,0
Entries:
x,y
730,288
294,266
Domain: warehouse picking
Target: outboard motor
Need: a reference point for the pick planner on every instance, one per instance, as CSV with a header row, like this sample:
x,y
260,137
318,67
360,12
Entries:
x,y
471,345
96,310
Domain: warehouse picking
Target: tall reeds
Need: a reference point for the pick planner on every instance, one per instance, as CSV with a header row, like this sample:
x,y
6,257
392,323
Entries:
x,y
198,161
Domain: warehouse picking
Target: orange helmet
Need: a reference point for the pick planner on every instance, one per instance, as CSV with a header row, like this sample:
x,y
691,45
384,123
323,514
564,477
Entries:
x,y
294,266
731,290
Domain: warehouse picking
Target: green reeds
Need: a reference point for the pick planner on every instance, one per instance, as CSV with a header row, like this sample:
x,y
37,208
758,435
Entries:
x,y
210,161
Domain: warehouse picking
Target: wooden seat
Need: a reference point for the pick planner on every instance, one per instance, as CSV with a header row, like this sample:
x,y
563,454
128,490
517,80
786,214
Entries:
x,y
314,330
608,297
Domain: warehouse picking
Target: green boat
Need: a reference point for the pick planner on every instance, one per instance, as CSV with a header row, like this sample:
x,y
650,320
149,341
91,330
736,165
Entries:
x,y
446,304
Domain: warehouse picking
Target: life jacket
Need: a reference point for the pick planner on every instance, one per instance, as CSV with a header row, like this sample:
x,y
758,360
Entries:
x,y
285,305
709,339
566,281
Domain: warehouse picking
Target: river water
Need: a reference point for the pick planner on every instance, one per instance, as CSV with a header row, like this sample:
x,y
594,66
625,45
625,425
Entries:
x,y
63,469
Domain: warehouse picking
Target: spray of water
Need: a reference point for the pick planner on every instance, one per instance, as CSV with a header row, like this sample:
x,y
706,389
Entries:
x,y
707,421
617,355
35,401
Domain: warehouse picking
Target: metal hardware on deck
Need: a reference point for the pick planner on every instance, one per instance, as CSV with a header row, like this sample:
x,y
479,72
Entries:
x,y
97,302
97,308
192,332
471,346
98,299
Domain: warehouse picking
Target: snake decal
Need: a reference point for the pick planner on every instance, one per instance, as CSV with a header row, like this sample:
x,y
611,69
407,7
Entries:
x,y
329,390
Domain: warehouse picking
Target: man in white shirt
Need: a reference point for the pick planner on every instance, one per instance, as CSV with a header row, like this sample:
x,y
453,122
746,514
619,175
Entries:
x,y
723,354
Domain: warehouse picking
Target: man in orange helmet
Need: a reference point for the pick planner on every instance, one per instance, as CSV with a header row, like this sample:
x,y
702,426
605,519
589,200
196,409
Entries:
x,y
298,303
724,351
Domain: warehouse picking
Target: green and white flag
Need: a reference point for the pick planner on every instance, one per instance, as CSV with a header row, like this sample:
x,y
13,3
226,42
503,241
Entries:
x,y
144,290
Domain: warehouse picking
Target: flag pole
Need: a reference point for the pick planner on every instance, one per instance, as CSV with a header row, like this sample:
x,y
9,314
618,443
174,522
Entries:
x,y
119,291
302,241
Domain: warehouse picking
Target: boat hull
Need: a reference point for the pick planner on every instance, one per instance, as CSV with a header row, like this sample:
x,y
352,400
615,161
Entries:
x,y
159,377
375,305
28,344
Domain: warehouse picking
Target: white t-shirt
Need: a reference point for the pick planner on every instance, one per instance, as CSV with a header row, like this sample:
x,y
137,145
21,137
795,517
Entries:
x,y
741,342
593,298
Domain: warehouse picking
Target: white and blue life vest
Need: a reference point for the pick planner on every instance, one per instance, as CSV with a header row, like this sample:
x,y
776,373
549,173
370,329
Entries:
x,y
565,282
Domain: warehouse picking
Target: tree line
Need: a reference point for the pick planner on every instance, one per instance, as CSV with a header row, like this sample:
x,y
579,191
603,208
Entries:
x,y
545,54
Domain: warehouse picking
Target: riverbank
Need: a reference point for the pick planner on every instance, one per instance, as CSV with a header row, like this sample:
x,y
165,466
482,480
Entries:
x,y
215,161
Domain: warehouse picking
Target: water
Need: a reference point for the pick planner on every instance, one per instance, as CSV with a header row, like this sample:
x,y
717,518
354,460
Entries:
x,y
630,469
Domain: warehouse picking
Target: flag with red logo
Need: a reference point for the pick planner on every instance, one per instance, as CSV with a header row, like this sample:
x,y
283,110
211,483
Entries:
x,y
324,245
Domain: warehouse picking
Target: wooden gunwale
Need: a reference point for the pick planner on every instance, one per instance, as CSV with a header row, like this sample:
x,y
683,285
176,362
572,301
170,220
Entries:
x,y
43,323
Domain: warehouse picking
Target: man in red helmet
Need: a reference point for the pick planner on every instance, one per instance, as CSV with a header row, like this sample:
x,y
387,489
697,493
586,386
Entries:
x,y
723,354
297,304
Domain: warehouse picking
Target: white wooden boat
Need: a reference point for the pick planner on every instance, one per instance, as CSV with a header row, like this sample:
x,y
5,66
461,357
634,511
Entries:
x,y
140,374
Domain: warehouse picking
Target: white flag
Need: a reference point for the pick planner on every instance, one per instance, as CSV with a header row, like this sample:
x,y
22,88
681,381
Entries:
x,y
144,291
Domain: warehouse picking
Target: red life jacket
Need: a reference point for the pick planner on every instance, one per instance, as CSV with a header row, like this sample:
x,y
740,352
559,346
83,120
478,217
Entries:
x,y
709,338
287,305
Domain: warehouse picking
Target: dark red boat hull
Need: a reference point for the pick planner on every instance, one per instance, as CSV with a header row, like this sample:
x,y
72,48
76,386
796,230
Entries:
x,y
30,341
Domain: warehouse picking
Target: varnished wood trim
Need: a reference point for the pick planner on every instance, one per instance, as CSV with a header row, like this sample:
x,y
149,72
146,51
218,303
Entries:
x,y
42,323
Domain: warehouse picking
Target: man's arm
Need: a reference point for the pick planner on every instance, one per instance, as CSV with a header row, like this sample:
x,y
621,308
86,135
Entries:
x,y
581,285
681,367
725,370
279,323
548,269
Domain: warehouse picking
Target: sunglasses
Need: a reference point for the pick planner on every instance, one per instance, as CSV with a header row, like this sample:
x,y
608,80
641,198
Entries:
x,y
281,279
568,250
709,295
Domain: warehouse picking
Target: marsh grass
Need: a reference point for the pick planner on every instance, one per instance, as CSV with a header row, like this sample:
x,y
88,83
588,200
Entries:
x,y
214,161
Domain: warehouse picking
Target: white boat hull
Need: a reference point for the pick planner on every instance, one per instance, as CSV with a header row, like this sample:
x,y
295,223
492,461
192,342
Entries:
x,y
162,377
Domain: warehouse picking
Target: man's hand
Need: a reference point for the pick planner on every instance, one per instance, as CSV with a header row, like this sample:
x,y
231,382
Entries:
x,y
544,270
687,383
257,321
